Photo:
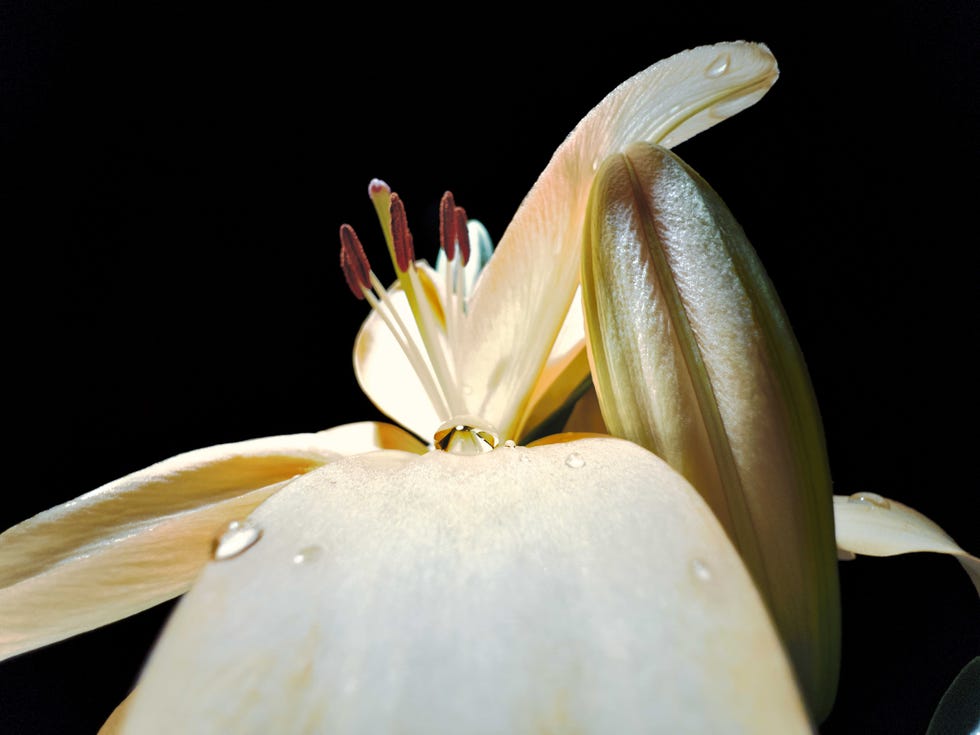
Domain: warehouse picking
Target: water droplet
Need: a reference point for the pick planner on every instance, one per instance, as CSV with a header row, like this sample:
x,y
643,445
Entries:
x,y
308,554
237,538
870,499
700,570
510,444
466,435
595,164
718,67
575,460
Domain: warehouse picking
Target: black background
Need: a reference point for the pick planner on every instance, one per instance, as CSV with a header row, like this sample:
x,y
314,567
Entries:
x,y
173,179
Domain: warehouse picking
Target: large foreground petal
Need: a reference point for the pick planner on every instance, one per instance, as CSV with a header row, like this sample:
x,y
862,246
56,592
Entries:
x,y
142,539
525,290
576,587
867,523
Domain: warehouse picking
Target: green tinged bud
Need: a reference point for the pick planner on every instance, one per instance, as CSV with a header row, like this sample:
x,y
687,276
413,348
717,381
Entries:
x,y
693,358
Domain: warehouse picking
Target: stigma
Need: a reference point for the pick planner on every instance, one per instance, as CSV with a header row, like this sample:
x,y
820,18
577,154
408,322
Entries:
x,y
429,332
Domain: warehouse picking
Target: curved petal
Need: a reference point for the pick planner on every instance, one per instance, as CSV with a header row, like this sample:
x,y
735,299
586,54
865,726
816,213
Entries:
x,y
525,290
138,540
867,523
577,587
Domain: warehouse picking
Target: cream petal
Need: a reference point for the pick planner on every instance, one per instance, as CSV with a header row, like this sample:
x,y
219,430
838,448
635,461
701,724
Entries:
x,y
138,540
869,524
525,290
579,587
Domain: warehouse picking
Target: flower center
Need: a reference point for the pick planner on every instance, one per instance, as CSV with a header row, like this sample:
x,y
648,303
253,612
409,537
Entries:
x,y
437,301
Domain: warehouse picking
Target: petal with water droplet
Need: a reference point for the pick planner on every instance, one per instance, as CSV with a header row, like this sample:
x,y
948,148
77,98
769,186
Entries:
x,y
504,592
873,529
142,539
525,290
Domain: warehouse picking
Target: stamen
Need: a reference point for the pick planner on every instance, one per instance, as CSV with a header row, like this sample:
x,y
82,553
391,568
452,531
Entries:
x,y
354,262
438,317
400,235
462,234
447,225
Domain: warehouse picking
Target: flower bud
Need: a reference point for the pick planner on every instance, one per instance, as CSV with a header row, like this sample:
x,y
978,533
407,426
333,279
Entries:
x,y
693,358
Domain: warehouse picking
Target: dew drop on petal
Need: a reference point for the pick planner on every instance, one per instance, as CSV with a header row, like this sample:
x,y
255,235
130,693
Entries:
x,y
307,554
718,67
575,460
238,537
700,570
870,499
510,444
466,435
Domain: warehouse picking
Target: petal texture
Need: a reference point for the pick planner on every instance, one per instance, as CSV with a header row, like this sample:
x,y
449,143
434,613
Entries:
x,y
142,539
578,587
523,294
693,358
875,526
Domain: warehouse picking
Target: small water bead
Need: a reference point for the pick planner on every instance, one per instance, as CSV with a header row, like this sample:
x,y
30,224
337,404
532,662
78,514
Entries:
x,y
510,444
237,538
700,570
718,67
575,460
307,554
870,499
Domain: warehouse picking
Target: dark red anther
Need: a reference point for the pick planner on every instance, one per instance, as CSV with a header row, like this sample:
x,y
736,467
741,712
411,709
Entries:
x,y
462,234
401,238
354,262
447,224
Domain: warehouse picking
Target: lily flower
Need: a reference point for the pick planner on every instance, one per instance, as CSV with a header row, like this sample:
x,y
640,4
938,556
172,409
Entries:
x,y
473,571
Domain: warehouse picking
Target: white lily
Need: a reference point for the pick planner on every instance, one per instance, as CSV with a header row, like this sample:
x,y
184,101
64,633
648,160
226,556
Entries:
x,y
363,582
